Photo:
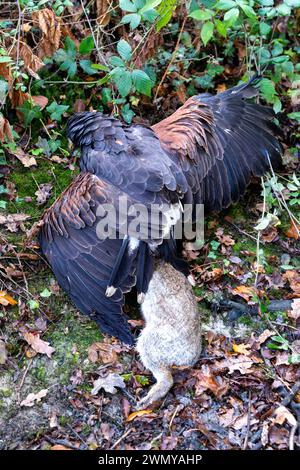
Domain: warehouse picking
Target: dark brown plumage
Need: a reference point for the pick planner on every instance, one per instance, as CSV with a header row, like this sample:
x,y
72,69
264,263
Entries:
x,y
206,152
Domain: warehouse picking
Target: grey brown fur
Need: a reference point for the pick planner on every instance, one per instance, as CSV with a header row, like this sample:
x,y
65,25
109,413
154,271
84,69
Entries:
x,y
172,335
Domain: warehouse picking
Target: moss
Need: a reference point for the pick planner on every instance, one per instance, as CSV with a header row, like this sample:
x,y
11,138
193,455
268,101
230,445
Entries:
x,y
5,392
27,184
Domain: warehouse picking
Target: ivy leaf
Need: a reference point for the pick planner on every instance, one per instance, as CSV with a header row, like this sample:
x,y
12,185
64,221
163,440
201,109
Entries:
x,y
87,67
142,82
46,293
56,110
127,5
124,49
66,58
87,45
207,32
133,18
30,112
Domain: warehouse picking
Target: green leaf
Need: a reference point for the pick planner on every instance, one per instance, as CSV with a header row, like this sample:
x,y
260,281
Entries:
x,y
56,110
267,89
202,15
295,116
127,113
87,66
33,304
221,28
249,12
265,28
124,49
150,4
150,15
133,18
87,45
127,5
106,95
123,81
207,32
101,67
226,5
142,82
232,15
116,61
165,11
3,204
46,293
3,190
30,112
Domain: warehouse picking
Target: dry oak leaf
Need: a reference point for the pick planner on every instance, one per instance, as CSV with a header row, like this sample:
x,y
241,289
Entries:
x,y
108,383
38,344
282,414
293,278
33,398
50,25
102,352
26,160
263,337
295,310
226,240
207,381
43,193
245,292
6,299
241,348
241,363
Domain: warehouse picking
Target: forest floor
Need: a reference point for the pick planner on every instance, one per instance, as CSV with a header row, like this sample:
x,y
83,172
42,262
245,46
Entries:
x,y
242,393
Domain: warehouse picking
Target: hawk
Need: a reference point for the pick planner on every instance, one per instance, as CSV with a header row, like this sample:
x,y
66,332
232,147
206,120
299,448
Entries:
x,y
206,152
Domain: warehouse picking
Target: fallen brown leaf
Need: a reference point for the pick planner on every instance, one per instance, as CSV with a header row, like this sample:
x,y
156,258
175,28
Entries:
x,y
32,398
102,352
38,344
6,299
108,383
138,414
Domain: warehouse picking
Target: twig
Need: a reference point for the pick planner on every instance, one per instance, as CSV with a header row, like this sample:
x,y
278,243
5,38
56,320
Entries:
x,y
245,445
273,306
172,58
173,416
65,443
121,438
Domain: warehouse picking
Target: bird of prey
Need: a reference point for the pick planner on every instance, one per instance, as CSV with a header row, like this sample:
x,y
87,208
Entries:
x,y
204,153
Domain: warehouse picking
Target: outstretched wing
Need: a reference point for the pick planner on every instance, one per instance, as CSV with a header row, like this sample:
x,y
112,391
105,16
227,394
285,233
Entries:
x,y
81,262
221,142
